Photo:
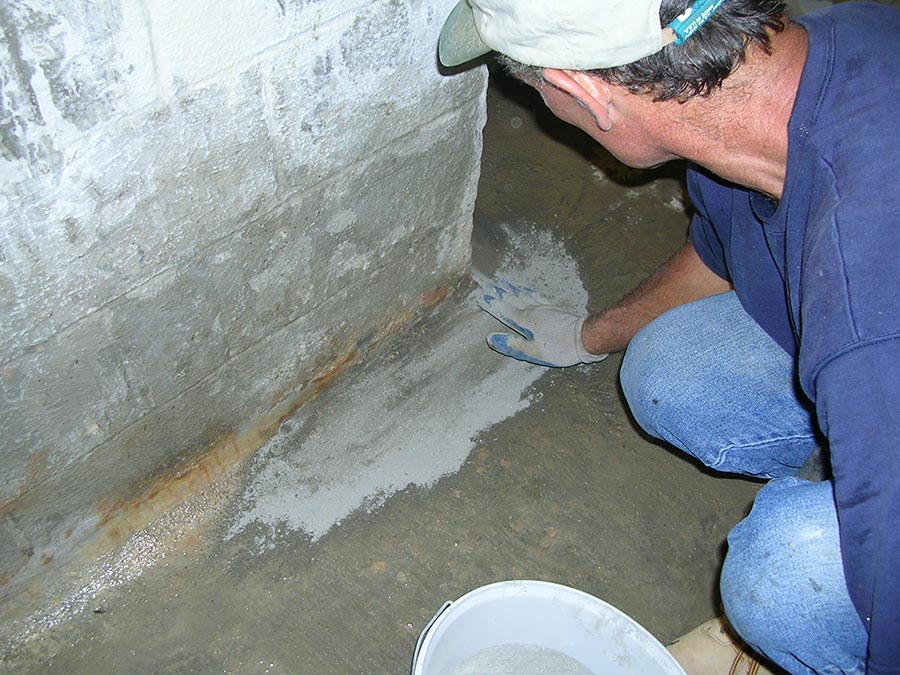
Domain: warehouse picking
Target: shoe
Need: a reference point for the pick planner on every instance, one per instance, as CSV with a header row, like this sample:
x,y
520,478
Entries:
x,y
713,648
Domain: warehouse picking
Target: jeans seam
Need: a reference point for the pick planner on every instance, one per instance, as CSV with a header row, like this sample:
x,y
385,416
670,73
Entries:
x,y
778,439
670,437
721,455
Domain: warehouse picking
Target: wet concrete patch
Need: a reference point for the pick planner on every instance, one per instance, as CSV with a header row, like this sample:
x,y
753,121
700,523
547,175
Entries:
x,y
407,418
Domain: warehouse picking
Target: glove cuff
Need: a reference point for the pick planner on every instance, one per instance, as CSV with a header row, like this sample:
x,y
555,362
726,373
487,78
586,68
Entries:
x,y
583,354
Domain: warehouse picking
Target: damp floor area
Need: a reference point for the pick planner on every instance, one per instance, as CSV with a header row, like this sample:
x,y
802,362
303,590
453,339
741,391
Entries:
x,y
435,467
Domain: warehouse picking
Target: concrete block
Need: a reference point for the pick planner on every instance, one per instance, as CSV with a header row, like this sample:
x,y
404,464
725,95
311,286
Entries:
x,y
195,41
202,206
107,370
361,86
75,64
133,203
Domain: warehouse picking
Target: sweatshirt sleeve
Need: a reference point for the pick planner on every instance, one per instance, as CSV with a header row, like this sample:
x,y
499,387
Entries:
x,y
859,408
703,235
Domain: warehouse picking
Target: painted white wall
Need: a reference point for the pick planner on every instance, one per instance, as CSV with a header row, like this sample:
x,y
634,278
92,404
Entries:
x,y
202,204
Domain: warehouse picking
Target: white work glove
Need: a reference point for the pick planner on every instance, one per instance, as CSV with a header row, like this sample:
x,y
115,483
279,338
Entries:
x,y
547,335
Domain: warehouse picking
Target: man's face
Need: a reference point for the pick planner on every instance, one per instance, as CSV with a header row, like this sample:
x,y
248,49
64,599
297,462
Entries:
x,y
629,139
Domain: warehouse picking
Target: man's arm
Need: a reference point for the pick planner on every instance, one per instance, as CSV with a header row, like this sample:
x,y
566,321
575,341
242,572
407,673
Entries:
x,y
682,279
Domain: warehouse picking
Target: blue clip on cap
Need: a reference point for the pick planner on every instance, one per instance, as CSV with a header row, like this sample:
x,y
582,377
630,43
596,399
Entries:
x,y
691,19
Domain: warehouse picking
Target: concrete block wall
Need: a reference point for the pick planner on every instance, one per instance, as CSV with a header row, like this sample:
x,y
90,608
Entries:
x,y
203,206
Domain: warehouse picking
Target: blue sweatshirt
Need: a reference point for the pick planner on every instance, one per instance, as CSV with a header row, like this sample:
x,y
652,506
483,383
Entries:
x,y
819,270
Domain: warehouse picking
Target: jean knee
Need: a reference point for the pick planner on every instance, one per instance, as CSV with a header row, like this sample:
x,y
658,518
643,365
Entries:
x,y
762,556
707,379
643,368
783,574
748,590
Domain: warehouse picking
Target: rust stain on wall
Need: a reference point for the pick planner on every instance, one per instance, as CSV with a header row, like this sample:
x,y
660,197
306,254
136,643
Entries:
x,y
179,508
36,467
36,470
120,518
9,505
432,298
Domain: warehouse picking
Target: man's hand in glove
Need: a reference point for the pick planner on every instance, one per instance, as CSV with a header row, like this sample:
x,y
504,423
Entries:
x,y
547,335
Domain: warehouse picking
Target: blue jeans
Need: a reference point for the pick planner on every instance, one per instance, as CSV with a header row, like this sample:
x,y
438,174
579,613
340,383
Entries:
x,y
707,379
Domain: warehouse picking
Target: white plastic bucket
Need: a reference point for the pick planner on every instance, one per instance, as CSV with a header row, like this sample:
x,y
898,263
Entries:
x,y
541,614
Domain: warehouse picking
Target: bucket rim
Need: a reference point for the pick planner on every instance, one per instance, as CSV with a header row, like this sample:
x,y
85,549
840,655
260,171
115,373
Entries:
x,y
524,586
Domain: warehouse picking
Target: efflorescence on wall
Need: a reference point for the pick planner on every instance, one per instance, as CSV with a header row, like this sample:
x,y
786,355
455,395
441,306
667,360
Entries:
x,y
204,206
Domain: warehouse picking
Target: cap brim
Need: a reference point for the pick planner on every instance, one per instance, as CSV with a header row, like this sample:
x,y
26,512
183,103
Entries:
x,y
460,41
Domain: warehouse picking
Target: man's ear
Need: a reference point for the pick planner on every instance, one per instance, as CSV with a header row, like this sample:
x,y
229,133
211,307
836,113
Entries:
x,y
588,90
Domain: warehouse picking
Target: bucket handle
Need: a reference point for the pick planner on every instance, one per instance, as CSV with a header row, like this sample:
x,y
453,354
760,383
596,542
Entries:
x,y
425,632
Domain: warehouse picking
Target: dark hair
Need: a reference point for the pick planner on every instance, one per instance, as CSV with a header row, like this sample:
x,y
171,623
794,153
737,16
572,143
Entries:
x,y
702,63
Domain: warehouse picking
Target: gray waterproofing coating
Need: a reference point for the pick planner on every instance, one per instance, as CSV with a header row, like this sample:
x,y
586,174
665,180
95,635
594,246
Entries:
x,y
350,458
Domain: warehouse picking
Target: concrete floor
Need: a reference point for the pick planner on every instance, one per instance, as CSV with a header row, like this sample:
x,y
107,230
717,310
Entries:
x,y
555,483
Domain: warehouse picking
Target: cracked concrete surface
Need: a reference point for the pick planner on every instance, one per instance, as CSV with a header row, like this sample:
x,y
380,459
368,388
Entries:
x,y
438,466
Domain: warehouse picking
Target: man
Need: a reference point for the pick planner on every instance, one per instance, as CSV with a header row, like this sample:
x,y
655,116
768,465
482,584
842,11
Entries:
x,y
776,328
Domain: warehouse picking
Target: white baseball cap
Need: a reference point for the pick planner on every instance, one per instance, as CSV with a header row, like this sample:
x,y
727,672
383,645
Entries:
x,y
572,34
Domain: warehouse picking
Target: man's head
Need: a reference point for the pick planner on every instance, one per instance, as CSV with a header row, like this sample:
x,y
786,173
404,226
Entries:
x,y
621,41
